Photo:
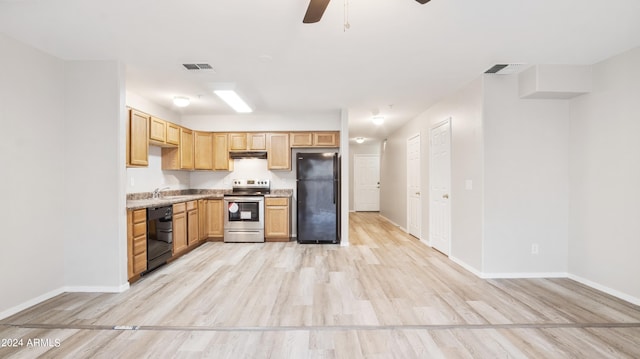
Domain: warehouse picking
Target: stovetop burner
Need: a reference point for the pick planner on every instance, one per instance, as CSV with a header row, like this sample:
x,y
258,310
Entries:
x,y
250,187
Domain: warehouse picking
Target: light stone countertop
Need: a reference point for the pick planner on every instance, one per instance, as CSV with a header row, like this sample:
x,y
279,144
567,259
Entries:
x,y
144,200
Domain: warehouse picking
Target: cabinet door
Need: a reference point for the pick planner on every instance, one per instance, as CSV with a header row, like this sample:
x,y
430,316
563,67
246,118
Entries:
x,y
221,161
203,144
179,232
138,138
137,240
186,149
215,218
193,234
277,219
326,139
173,134
157,130
202,219
257,141
129,244
301,139
279,152
237,142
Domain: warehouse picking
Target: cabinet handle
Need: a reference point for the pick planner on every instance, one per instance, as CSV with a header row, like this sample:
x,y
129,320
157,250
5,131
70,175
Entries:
x,y
445,196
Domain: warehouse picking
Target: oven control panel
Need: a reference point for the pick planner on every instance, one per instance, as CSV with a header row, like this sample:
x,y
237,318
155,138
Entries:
x,y
251,183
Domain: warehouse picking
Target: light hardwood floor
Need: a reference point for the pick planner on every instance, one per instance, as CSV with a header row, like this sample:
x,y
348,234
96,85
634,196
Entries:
x,y
385,295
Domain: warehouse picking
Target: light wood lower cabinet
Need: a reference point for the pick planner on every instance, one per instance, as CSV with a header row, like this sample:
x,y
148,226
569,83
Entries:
x,y
136,242
193,227
215,219
277,224
179,228
202,219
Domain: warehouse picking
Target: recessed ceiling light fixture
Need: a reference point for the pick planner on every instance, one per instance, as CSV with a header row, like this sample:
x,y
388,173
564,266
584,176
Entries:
x,y
377,120
360,139
181,101
233,100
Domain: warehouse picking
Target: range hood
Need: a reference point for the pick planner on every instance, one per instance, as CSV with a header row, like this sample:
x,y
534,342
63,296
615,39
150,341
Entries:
x,y
248,154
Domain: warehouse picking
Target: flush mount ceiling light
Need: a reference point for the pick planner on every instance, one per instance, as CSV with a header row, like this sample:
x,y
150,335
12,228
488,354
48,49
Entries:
x,y
233,100
378,120
360,139
181,101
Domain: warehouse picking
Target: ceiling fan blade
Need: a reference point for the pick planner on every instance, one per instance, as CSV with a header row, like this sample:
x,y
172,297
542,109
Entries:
x,y
423,1
315,11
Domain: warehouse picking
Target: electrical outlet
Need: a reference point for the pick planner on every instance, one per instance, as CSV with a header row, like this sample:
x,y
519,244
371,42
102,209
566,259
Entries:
x,y
534,248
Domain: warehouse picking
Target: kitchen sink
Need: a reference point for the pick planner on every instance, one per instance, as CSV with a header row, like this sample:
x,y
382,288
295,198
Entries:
x,y
177,197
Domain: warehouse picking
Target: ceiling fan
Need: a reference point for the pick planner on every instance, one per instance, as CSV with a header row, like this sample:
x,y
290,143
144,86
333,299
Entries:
x,y
317,7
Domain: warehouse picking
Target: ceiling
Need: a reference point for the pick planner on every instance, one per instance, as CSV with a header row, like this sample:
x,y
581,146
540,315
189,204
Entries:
x,y
396,58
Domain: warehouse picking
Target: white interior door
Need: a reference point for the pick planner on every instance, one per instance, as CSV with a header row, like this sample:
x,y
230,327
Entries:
x,y
414,207
366,174
440,187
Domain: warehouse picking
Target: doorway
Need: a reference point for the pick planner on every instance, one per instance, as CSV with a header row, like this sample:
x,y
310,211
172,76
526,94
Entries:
x,y
414,203
366,175
440,187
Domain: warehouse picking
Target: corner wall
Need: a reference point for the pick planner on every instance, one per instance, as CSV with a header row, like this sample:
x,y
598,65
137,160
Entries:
x,y
604,226
33,178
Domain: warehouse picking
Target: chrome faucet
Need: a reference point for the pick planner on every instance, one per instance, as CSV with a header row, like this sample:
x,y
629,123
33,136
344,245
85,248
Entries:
x,y
156,192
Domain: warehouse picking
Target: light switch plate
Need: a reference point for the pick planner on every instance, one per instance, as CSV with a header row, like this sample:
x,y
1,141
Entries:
x,y
468,185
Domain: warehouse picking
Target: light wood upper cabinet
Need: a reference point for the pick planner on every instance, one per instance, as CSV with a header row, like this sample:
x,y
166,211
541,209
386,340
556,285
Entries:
x,y
238,141
257,141
136,242
157,131
315,139
215,218
326,139
278,151
163,133
247,141
173,134
221,160
301,139
181,157
186,149
203,144
277,216
138,139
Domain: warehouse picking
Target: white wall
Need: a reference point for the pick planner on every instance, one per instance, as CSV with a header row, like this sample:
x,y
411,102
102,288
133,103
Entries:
x,y
526,181
95,209
604,228
465,110
256,122
32,158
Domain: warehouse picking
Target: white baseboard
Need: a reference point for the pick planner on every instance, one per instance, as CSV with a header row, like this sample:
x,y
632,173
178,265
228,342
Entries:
x,y
523,275
603,288
31,302
394,223
111,289
464,265
41,298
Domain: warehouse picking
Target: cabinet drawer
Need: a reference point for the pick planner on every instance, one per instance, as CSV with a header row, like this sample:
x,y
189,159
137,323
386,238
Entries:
x,y
192,205
139,245
179,207
139,216
139,229
276,201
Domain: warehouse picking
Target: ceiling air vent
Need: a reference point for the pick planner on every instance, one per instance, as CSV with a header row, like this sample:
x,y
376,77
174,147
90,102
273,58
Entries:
x,y
505,69
198,67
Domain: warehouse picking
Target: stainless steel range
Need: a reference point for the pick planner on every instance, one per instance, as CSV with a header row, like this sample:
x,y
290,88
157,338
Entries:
x,y
244,218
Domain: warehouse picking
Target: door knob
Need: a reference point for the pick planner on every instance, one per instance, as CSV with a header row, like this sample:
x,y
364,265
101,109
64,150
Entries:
x,y
445,196
417,193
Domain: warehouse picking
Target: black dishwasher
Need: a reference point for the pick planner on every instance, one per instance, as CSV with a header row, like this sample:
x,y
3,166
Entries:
x,y
159,236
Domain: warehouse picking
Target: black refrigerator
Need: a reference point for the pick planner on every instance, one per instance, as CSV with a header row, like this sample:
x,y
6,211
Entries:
x,y
318,197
